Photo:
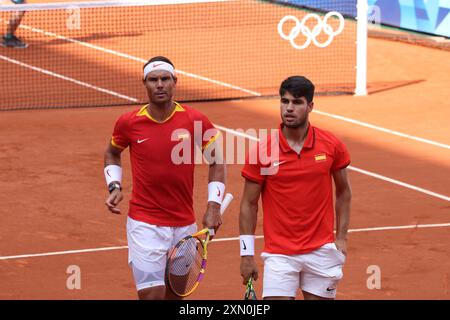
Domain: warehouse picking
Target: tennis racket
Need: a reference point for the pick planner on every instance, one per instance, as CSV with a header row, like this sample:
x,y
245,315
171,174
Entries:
x,y
250,293
186,262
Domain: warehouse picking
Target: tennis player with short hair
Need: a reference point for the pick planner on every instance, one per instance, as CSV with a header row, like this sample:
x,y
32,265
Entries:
x,y
300,249
161,206
9,40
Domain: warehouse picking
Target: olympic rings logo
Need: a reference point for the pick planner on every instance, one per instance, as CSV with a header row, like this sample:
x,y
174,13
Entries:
x,y
311,35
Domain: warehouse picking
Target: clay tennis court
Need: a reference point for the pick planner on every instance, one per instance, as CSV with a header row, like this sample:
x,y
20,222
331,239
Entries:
x,y
52,188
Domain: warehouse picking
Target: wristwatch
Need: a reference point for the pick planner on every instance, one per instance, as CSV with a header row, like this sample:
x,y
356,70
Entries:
x,y
113,186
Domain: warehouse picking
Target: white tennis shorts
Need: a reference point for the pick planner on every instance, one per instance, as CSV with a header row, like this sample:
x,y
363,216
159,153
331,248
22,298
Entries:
x,y
317,272
148,246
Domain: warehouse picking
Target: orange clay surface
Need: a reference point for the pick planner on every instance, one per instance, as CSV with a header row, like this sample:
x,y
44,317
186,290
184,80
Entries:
x,y
52,190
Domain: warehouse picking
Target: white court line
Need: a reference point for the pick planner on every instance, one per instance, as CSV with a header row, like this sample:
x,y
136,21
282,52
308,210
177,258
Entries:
x,y
236,133
368,173
59,76
57,253
130,57
414,226
403,184
389,131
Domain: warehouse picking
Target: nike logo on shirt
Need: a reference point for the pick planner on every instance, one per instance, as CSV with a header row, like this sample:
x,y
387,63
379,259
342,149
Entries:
x,y
140,141
277,163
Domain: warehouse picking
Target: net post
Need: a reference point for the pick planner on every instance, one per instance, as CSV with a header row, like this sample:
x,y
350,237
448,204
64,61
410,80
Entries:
x,y
361,48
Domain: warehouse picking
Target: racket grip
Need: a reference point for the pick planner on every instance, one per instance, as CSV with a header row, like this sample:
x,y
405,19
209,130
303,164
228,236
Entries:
x,y
225,203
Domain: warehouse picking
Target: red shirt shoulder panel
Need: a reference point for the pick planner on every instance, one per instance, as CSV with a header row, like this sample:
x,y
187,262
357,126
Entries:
x,y
341,156
121,132
208,130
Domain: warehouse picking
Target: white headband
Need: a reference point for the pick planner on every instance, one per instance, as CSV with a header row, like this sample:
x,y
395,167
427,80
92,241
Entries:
x,y
158,65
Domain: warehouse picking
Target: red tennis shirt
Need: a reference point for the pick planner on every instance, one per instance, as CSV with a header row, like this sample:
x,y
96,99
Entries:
x,y
297,192
163,187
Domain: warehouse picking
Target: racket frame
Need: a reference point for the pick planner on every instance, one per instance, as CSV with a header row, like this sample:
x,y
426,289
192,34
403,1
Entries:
x,y
250,290
207,232
204,244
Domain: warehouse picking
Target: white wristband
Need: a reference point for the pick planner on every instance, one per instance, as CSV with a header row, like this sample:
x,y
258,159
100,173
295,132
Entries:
x,y
247,243
216,191
113,173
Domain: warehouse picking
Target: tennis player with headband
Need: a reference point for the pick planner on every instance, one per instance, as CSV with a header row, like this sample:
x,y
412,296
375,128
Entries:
x,y
161,206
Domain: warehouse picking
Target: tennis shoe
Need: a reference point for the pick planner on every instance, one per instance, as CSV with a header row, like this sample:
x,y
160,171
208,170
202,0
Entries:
x,y
13,42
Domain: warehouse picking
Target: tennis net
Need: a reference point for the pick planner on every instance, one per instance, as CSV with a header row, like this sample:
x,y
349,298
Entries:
x,y
85,54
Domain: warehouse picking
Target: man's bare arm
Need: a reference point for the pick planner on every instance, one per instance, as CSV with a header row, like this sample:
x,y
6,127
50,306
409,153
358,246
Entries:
x,y
343,204
247,225
112,157
217,173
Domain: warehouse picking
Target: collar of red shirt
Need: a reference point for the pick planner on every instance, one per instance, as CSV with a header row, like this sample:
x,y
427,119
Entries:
x,y
144,112
309,140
